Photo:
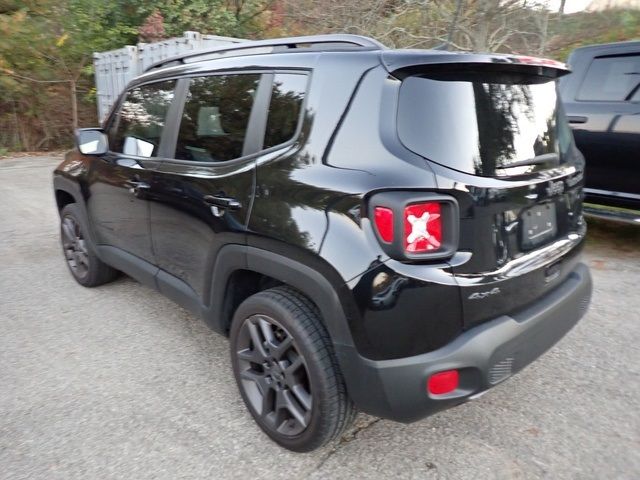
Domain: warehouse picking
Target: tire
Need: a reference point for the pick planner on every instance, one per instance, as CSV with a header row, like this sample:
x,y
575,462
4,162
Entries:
x,y
291,383
87,269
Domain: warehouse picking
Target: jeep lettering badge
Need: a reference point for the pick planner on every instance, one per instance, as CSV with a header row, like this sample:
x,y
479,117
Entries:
x,y
555,188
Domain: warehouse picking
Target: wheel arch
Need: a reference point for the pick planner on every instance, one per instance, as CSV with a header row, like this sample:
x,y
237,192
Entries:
x,y
236,263
68,191
63,198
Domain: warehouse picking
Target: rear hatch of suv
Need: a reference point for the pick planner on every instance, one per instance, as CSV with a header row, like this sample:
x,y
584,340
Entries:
x,y
493,131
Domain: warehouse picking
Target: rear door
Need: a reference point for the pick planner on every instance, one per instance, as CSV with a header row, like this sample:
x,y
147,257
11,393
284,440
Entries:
x,y
121,181
605,117
206,187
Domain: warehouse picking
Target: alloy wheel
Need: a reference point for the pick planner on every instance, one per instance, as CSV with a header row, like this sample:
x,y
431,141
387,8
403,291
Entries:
x,y
274,375
75,247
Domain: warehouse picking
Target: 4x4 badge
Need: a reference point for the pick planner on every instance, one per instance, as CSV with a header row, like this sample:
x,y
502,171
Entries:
x,y
481,295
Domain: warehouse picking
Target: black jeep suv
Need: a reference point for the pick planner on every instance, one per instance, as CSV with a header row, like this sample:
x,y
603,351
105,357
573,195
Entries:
x,y
393,231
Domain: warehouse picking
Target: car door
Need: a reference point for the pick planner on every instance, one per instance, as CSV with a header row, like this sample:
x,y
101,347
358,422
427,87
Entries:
x,y
605,117
122,181
206,190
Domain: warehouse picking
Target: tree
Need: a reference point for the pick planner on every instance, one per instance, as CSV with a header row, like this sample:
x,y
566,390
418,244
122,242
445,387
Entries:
x,y
480,25
46,80
152,29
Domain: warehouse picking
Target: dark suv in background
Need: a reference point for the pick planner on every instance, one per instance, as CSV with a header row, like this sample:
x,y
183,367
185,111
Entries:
x,y
602,101
393,231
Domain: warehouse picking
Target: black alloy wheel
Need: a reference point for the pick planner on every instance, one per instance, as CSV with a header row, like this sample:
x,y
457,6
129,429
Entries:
x,y
274,375
287,371
83,263
75,247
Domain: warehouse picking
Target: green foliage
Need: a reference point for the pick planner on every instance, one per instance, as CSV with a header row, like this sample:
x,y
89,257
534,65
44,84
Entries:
x,y
47,48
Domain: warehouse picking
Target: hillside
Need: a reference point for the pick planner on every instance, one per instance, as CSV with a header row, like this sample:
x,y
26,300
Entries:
x,y
586,28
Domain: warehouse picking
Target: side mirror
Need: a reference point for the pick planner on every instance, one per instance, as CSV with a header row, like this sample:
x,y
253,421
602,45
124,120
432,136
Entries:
x,y
92,141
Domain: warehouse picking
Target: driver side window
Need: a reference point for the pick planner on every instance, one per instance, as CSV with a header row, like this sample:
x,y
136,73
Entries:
x,y
137,128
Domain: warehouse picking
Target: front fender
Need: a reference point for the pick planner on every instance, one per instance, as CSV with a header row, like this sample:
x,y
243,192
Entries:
x,y
69,177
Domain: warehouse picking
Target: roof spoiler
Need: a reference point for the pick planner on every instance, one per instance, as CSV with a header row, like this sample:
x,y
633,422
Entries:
x,y
402,63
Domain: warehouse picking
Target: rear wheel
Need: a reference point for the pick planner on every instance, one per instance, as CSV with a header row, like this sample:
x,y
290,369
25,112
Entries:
x,y
286,370
84,265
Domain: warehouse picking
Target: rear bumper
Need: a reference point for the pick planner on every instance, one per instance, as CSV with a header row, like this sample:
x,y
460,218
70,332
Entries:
x,y
484,356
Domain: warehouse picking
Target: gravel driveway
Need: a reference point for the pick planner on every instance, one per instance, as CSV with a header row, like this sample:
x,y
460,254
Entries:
x,y
119,382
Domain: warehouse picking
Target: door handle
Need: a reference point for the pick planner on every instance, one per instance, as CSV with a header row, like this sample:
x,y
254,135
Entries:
x,y
136,187
223,202
577,119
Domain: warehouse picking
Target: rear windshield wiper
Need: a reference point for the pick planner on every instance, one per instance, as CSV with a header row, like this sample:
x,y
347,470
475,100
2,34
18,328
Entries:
x,y
545,158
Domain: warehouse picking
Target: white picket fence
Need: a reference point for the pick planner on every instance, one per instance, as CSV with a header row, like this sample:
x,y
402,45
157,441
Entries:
x,y
115,68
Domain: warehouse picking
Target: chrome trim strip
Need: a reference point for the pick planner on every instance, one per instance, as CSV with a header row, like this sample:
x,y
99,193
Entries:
x,y
595,191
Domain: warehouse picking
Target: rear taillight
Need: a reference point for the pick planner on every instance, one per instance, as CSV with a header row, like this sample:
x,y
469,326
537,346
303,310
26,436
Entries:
x,y
422,227
384,223
415,225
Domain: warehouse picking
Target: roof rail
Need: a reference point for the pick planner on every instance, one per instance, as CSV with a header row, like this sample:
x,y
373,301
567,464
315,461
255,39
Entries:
x,y
314,42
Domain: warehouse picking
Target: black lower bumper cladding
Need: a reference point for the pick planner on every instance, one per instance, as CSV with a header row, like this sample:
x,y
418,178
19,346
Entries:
x,y
484,356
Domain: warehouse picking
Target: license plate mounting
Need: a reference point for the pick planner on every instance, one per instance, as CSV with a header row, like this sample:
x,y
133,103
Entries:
x,y
538,225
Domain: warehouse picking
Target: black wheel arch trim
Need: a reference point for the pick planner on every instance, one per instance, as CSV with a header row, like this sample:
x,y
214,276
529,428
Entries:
x,y
63,184
317,288
291,272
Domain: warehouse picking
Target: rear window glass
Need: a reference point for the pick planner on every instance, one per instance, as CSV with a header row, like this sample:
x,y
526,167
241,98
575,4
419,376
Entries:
x,y
483,124
284,110
215,118
612,79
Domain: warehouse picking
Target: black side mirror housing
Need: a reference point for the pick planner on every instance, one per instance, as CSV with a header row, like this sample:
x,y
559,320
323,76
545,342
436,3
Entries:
x,y
92,141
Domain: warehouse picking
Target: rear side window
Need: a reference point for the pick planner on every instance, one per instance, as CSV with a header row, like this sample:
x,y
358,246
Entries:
x,y
137,127
215,117
287,95
484,124
612,79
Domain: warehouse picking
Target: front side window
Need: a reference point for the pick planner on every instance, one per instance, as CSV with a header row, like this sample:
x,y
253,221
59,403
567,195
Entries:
x,y
612,79
137,127
215,117
287,94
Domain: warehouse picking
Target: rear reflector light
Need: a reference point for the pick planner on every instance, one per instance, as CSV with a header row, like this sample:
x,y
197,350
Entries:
x,y
443,382
384,223
422,227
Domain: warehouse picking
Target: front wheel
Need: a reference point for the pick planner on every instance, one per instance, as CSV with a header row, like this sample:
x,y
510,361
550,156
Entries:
x,y
87,269
286,370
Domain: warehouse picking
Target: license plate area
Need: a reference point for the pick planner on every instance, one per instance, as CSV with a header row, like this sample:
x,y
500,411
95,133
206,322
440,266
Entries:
x,y
538,225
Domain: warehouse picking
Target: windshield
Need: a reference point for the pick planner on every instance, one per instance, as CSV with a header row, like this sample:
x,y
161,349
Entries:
x,y
489,125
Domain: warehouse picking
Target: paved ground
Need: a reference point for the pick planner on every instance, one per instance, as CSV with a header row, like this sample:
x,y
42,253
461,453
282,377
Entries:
x,y
118,382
